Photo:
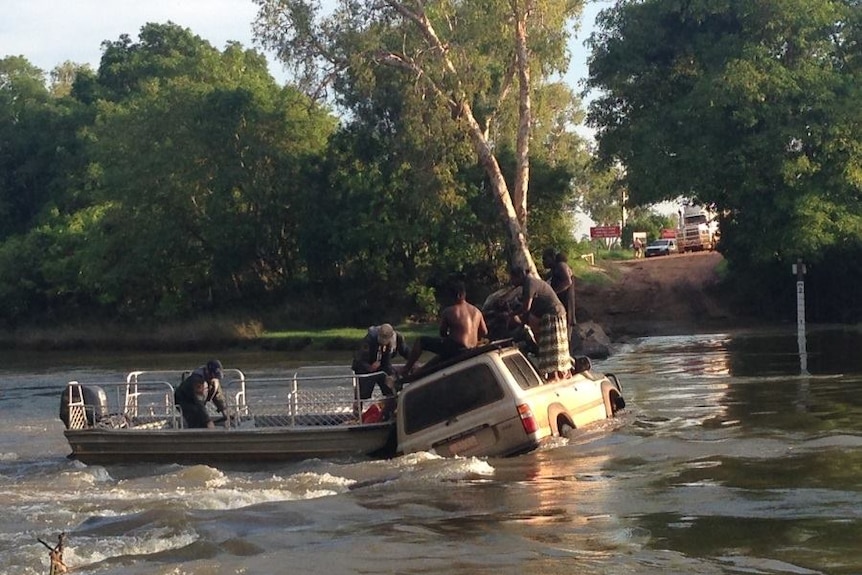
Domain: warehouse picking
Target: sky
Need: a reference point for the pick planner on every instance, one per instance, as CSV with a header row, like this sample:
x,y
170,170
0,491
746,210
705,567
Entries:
x,y
50,32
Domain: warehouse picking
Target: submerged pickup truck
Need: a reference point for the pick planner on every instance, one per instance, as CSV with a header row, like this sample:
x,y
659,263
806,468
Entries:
x,y
492,402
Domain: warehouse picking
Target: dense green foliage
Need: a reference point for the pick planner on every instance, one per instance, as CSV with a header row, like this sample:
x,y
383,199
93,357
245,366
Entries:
x,y
179,179
166,183
443,79
753,107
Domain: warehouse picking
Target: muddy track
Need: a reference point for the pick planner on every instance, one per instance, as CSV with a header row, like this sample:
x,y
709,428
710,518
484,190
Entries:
x,y
661,295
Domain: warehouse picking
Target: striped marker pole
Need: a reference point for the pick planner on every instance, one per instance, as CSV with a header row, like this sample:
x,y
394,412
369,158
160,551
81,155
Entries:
x,y
799,271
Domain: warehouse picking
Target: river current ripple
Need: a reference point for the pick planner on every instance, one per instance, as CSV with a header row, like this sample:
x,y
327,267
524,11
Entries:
x,y
726,460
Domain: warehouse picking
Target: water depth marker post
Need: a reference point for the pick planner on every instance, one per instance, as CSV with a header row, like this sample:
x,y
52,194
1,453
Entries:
x,y
799,271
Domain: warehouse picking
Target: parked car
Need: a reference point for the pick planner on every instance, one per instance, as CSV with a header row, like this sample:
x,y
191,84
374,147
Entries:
x,y
492,402
663,247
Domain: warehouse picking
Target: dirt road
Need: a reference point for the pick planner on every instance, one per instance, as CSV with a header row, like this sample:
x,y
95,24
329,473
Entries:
x,y
660,295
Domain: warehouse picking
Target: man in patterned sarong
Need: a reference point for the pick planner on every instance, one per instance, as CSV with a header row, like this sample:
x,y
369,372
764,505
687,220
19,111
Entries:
x,y
542,310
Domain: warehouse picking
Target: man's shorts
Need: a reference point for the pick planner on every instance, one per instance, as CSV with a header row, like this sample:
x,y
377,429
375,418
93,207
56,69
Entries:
x,y
442,346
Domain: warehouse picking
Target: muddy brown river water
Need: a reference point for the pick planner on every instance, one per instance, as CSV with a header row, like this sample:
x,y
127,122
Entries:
x,y
726,460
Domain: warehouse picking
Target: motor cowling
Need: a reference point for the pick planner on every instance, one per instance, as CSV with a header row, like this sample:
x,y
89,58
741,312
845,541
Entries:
x,y
94,398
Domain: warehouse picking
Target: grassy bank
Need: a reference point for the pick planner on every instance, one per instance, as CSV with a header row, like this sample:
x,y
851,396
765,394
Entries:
x,y
199,335
332,339
236,331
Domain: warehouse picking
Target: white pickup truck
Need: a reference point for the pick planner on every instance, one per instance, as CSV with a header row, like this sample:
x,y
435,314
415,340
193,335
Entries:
x,y
492,402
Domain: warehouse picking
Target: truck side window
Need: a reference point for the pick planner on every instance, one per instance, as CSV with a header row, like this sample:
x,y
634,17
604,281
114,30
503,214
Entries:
x,y
450,397
522,371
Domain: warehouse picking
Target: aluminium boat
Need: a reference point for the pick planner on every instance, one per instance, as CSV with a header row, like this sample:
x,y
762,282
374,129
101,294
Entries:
x,y
306,413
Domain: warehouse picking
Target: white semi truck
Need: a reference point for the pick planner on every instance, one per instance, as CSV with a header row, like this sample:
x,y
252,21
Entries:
x,y
698,228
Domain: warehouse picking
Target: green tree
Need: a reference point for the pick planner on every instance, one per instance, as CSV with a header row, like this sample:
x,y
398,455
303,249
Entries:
x,y
601,191
374,239
750,106
64,75
23,98
40,151
201,158
464,59
402,204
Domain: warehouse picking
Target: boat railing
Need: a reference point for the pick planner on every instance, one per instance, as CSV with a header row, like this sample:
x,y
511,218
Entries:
x,y
316,396
312,396
78,412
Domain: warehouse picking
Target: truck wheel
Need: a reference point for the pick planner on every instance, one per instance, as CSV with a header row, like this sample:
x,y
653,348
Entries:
x,y
614,401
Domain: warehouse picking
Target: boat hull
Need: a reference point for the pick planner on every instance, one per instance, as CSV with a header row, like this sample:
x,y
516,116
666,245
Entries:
x,y
113,446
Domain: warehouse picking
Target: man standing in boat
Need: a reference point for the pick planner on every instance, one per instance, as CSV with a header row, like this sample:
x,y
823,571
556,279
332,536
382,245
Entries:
x,y
201,386
379,346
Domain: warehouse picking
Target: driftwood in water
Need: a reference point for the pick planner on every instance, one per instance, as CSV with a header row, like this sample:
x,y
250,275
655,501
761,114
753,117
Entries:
x,y
55,554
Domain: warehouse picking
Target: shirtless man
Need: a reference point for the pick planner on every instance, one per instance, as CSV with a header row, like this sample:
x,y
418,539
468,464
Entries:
x,y
462,325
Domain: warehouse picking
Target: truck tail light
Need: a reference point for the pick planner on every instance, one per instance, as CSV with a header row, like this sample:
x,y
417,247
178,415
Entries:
x,y
527,419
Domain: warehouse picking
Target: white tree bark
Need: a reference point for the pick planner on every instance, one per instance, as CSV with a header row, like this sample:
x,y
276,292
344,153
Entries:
x,y
513,214
294,31
522,171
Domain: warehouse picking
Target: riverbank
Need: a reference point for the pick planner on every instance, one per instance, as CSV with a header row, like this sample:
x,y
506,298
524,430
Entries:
x,y
206,335
666,295
627,298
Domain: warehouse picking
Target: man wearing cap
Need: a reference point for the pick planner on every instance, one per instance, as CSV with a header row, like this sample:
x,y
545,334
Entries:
x,y
380,344
201,386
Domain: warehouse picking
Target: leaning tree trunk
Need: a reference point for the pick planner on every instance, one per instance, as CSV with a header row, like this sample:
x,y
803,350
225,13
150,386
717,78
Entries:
x,y
522,169
515,225
520,252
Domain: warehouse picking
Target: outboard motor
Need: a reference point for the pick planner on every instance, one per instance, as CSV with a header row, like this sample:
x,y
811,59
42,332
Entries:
x,y
95,403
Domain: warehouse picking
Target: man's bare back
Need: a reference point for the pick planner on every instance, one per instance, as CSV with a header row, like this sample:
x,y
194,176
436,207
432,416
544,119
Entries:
x,y
463,323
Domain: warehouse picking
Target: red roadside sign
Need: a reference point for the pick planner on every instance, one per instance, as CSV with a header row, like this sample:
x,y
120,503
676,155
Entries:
x,y
605,232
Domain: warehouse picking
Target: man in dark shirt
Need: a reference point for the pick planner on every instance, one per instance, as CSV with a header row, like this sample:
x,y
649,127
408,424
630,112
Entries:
x,y
563,283
201,386
380,344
